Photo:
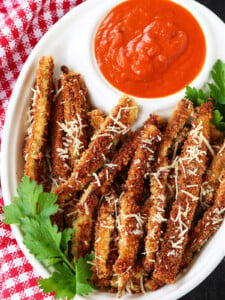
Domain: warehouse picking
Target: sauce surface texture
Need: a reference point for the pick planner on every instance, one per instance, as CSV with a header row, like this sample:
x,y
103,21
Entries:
x,y
150,48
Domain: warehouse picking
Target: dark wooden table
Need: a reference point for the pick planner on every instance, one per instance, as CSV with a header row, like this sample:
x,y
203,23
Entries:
x,y
213,288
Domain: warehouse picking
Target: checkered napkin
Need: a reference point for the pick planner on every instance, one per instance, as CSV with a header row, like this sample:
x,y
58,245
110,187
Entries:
x,y
22,24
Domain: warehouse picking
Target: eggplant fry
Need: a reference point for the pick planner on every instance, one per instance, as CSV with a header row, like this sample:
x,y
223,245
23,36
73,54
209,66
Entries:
x,y
45,177
212,178
36,139
96,118
104,233
59,151
192,165
158,197
177,148
84,218
114,126
130,221
76,107
207,226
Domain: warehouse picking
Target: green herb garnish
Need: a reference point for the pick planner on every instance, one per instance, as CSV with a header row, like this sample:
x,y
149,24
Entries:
x,y
32,211
214,90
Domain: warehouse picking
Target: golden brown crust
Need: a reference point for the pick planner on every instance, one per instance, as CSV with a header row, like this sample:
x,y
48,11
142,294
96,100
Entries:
x,y
36,140
83,223
76,107
59,152
102,184
153,284
158,198
115,126
105,179
212,178
130,220
177,121
209,224
177,148
100,282
192,161
104,233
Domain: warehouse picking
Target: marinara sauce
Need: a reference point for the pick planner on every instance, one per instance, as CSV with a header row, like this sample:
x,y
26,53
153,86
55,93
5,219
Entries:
x,y
150,48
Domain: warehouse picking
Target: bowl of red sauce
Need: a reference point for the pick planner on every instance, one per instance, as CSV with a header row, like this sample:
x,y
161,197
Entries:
x,y
149,48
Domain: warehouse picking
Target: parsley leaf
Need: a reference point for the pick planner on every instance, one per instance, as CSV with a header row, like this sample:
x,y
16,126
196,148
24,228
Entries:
x,y
46,205
197,97
66,236
65,284
42,239
62,282
83,271
32,211
217,120
215,91
26,204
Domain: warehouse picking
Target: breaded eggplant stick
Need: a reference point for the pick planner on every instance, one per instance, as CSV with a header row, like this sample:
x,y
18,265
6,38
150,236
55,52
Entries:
x,y
115,126
130,221
59,151
177,148
76,107
104,233
212,179
209,224
39,128
179,142
176,123
158,199
191,167
83,224
96,118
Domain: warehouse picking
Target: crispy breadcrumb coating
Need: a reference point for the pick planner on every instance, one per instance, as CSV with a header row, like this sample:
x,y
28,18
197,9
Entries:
x,y
212,178
130,220
59,152
209,224
104,233
99,186
76,108
115,125
192,165
83,224
36,140
158,179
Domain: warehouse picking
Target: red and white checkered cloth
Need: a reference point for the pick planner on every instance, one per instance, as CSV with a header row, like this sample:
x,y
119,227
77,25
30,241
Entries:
x,y
22,24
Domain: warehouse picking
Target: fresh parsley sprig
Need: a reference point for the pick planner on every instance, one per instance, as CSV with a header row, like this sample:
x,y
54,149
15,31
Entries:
x,y
32,211
214,90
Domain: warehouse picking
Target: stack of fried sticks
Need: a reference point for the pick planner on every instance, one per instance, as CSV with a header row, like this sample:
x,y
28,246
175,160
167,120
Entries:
x,y
144,201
